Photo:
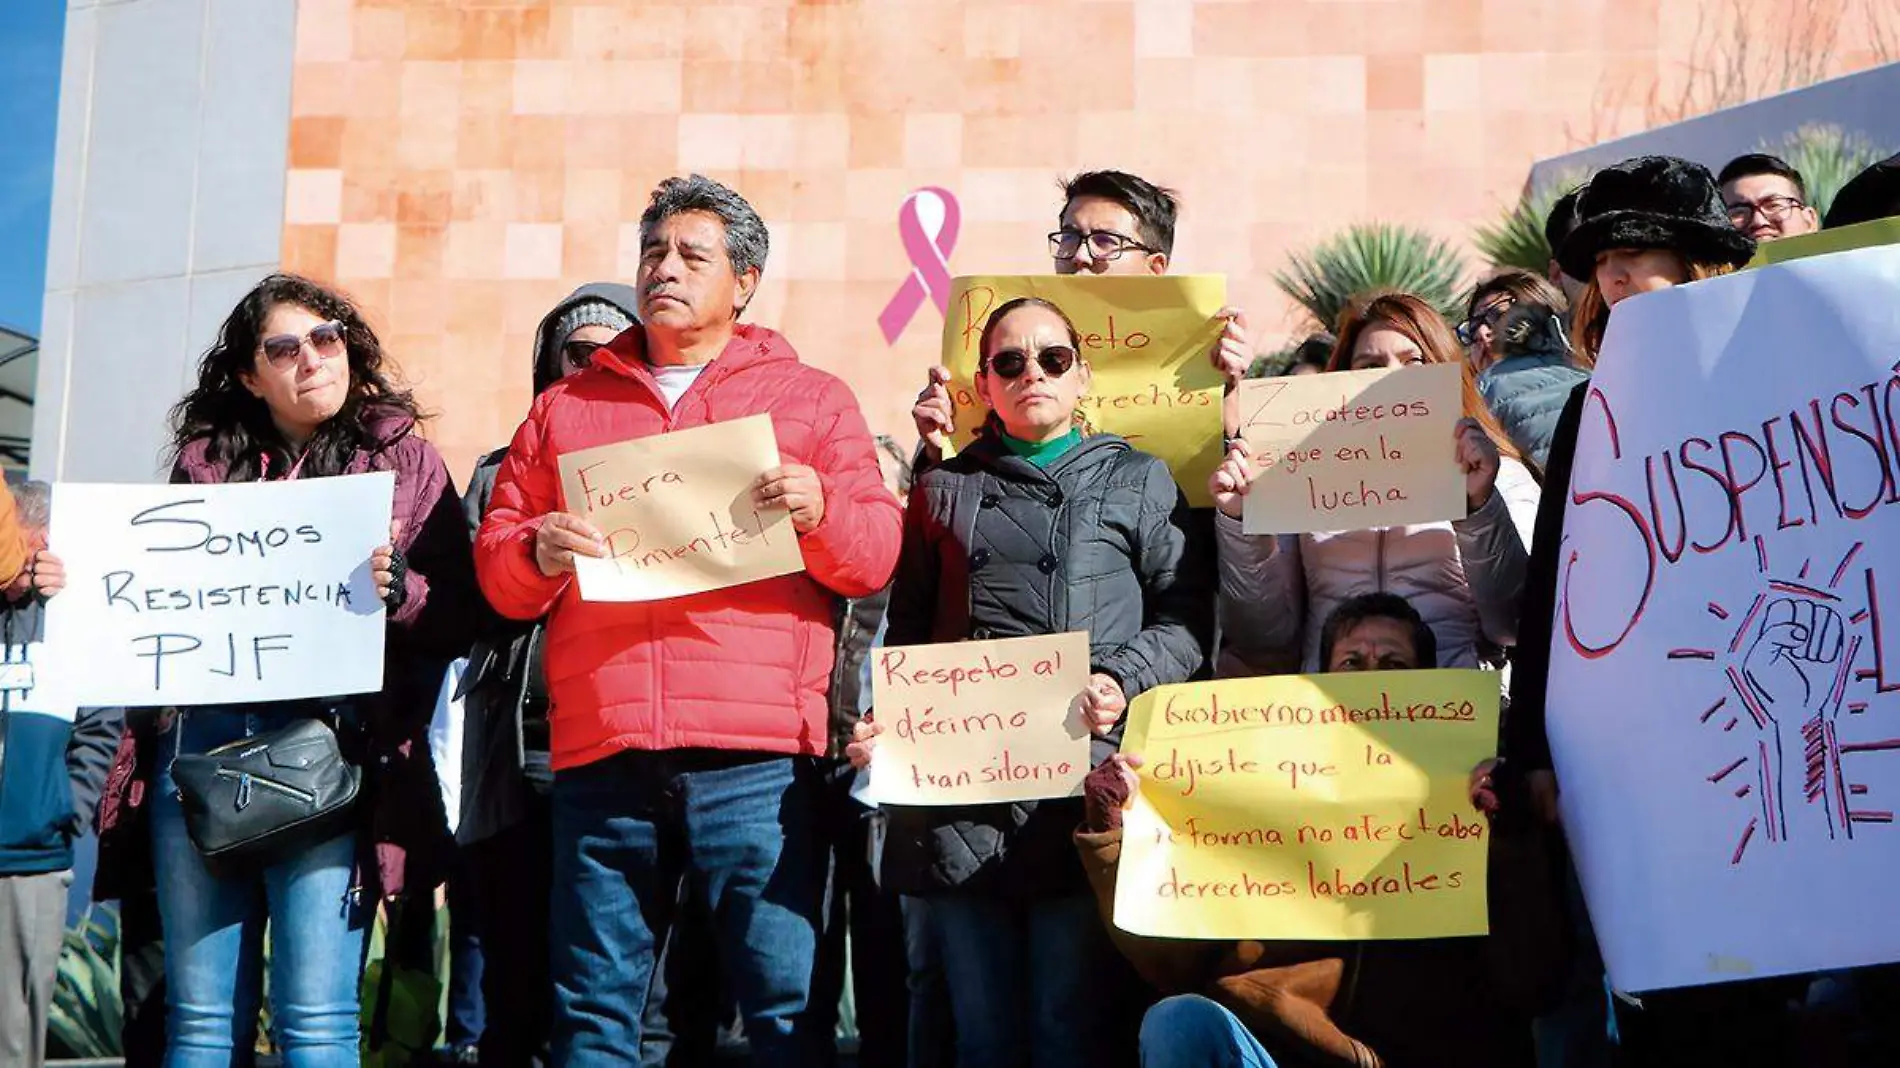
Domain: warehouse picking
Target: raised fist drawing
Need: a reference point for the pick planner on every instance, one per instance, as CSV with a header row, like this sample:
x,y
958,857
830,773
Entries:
x,y
1792,662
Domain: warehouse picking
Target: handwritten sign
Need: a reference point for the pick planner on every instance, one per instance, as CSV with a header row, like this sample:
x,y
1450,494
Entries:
x,y
194,595
1353,449
1724,697
1147,341
980,721
677,512
1309,807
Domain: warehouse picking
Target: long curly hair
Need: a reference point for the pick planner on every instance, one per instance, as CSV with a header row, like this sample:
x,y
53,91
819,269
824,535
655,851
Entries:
x,y
238,426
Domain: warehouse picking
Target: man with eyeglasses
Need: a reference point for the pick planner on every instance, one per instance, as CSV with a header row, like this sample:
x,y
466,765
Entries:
x,y
1112,222
1766,198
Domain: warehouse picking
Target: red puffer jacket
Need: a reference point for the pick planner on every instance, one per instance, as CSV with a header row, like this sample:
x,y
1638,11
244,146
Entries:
x,y
740,668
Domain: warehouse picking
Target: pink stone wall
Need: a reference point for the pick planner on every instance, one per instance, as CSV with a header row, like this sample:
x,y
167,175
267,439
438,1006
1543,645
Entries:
x,y
459,166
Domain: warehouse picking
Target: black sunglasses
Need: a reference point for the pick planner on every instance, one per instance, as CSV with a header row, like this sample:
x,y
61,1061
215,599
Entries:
x,y
579,354
1055,362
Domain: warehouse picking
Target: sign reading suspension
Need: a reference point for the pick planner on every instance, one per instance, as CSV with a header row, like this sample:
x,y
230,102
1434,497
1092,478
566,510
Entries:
x,y
196,595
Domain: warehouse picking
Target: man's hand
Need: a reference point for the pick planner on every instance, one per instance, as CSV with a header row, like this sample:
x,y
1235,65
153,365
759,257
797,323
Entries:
x,y
561,538
934,413
1108,791
45,574
1232,355
796,489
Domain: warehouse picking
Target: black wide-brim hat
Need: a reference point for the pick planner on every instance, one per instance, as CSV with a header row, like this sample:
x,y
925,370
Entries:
x,y
1872,194
1653,202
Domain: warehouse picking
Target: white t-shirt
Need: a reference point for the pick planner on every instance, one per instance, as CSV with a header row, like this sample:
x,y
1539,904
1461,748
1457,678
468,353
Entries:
x,y
675,381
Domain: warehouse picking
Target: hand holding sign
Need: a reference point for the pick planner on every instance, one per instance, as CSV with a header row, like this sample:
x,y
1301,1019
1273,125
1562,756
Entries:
x,y
1102,704
1478,458
561,538
794,488
1232,355
933,413
1230,481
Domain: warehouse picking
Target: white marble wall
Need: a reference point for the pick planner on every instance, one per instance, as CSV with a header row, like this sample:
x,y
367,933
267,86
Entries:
x,y
168,203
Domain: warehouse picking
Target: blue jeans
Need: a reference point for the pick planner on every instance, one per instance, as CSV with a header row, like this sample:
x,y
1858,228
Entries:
x,y
1189,1031
213,924
744,828
1021,977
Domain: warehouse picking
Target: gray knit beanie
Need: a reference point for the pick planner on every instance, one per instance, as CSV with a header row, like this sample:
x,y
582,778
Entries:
x,y
592,312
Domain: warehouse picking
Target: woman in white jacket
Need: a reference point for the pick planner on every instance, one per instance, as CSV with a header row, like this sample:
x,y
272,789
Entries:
x,y
1464,576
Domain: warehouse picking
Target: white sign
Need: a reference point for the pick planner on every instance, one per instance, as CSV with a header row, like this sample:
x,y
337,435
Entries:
x,y
194,595
31,684
1724,706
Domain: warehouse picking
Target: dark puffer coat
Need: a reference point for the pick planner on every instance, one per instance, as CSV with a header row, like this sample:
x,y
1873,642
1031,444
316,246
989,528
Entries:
x,y
995,547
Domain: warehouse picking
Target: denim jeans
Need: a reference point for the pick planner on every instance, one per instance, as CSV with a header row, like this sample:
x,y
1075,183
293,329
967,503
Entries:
x,y
1189,1031
213,925
1021,979
744,827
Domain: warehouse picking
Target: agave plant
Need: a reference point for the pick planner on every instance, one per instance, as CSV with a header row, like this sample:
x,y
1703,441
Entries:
x,y
1516,239
86,1015
1368,257
1827,157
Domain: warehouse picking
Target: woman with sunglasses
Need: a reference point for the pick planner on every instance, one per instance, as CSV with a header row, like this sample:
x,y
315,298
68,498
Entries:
x,y
1038,527
1463,575
294,388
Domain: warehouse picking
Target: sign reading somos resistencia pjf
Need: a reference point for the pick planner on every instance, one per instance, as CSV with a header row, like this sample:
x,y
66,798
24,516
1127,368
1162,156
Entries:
x,y
195,595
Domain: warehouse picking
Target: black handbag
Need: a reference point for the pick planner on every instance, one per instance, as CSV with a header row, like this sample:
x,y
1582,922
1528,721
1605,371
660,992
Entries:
x,y
262,797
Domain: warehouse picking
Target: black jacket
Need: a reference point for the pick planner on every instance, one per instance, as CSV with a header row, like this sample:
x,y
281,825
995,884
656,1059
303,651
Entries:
x,y
995,547
1525,743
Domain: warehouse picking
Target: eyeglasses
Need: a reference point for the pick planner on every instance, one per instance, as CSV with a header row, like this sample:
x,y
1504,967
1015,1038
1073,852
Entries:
x,y
325,339
1487,317
1103,244
579,354
1055,362
1774,209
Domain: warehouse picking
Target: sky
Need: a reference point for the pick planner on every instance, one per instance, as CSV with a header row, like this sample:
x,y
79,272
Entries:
x,y
30,35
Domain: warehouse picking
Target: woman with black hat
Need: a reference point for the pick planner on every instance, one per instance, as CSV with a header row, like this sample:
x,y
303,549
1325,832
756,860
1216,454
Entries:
x,y
1644,224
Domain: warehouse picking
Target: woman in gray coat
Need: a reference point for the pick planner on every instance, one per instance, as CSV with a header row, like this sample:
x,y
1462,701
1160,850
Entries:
x,y
1039,527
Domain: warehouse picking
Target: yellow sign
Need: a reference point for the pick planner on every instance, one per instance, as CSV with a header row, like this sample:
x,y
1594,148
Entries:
x,y
676,510
1147,340
1353,449
1860,235
1309,807
968,722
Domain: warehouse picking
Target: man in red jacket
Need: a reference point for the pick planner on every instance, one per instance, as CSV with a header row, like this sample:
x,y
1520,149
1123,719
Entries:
x,y
684,732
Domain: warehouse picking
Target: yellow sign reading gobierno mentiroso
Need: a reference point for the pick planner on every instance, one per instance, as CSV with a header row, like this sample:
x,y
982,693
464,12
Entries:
x,y
1309,807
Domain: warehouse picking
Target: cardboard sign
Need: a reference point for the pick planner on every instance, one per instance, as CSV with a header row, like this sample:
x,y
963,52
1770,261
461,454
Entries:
x,y
1353,449
1309,807
195,595
1147,341
1724,698
967,722
677,512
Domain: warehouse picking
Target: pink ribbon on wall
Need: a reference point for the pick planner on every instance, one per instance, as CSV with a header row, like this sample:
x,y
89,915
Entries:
x,y
929,261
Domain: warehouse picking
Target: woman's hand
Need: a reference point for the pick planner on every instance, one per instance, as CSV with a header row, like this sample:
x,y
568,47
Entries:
x,y
1108,791
1478,459
1232,479
561,538
863,741
382,568
1102,704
